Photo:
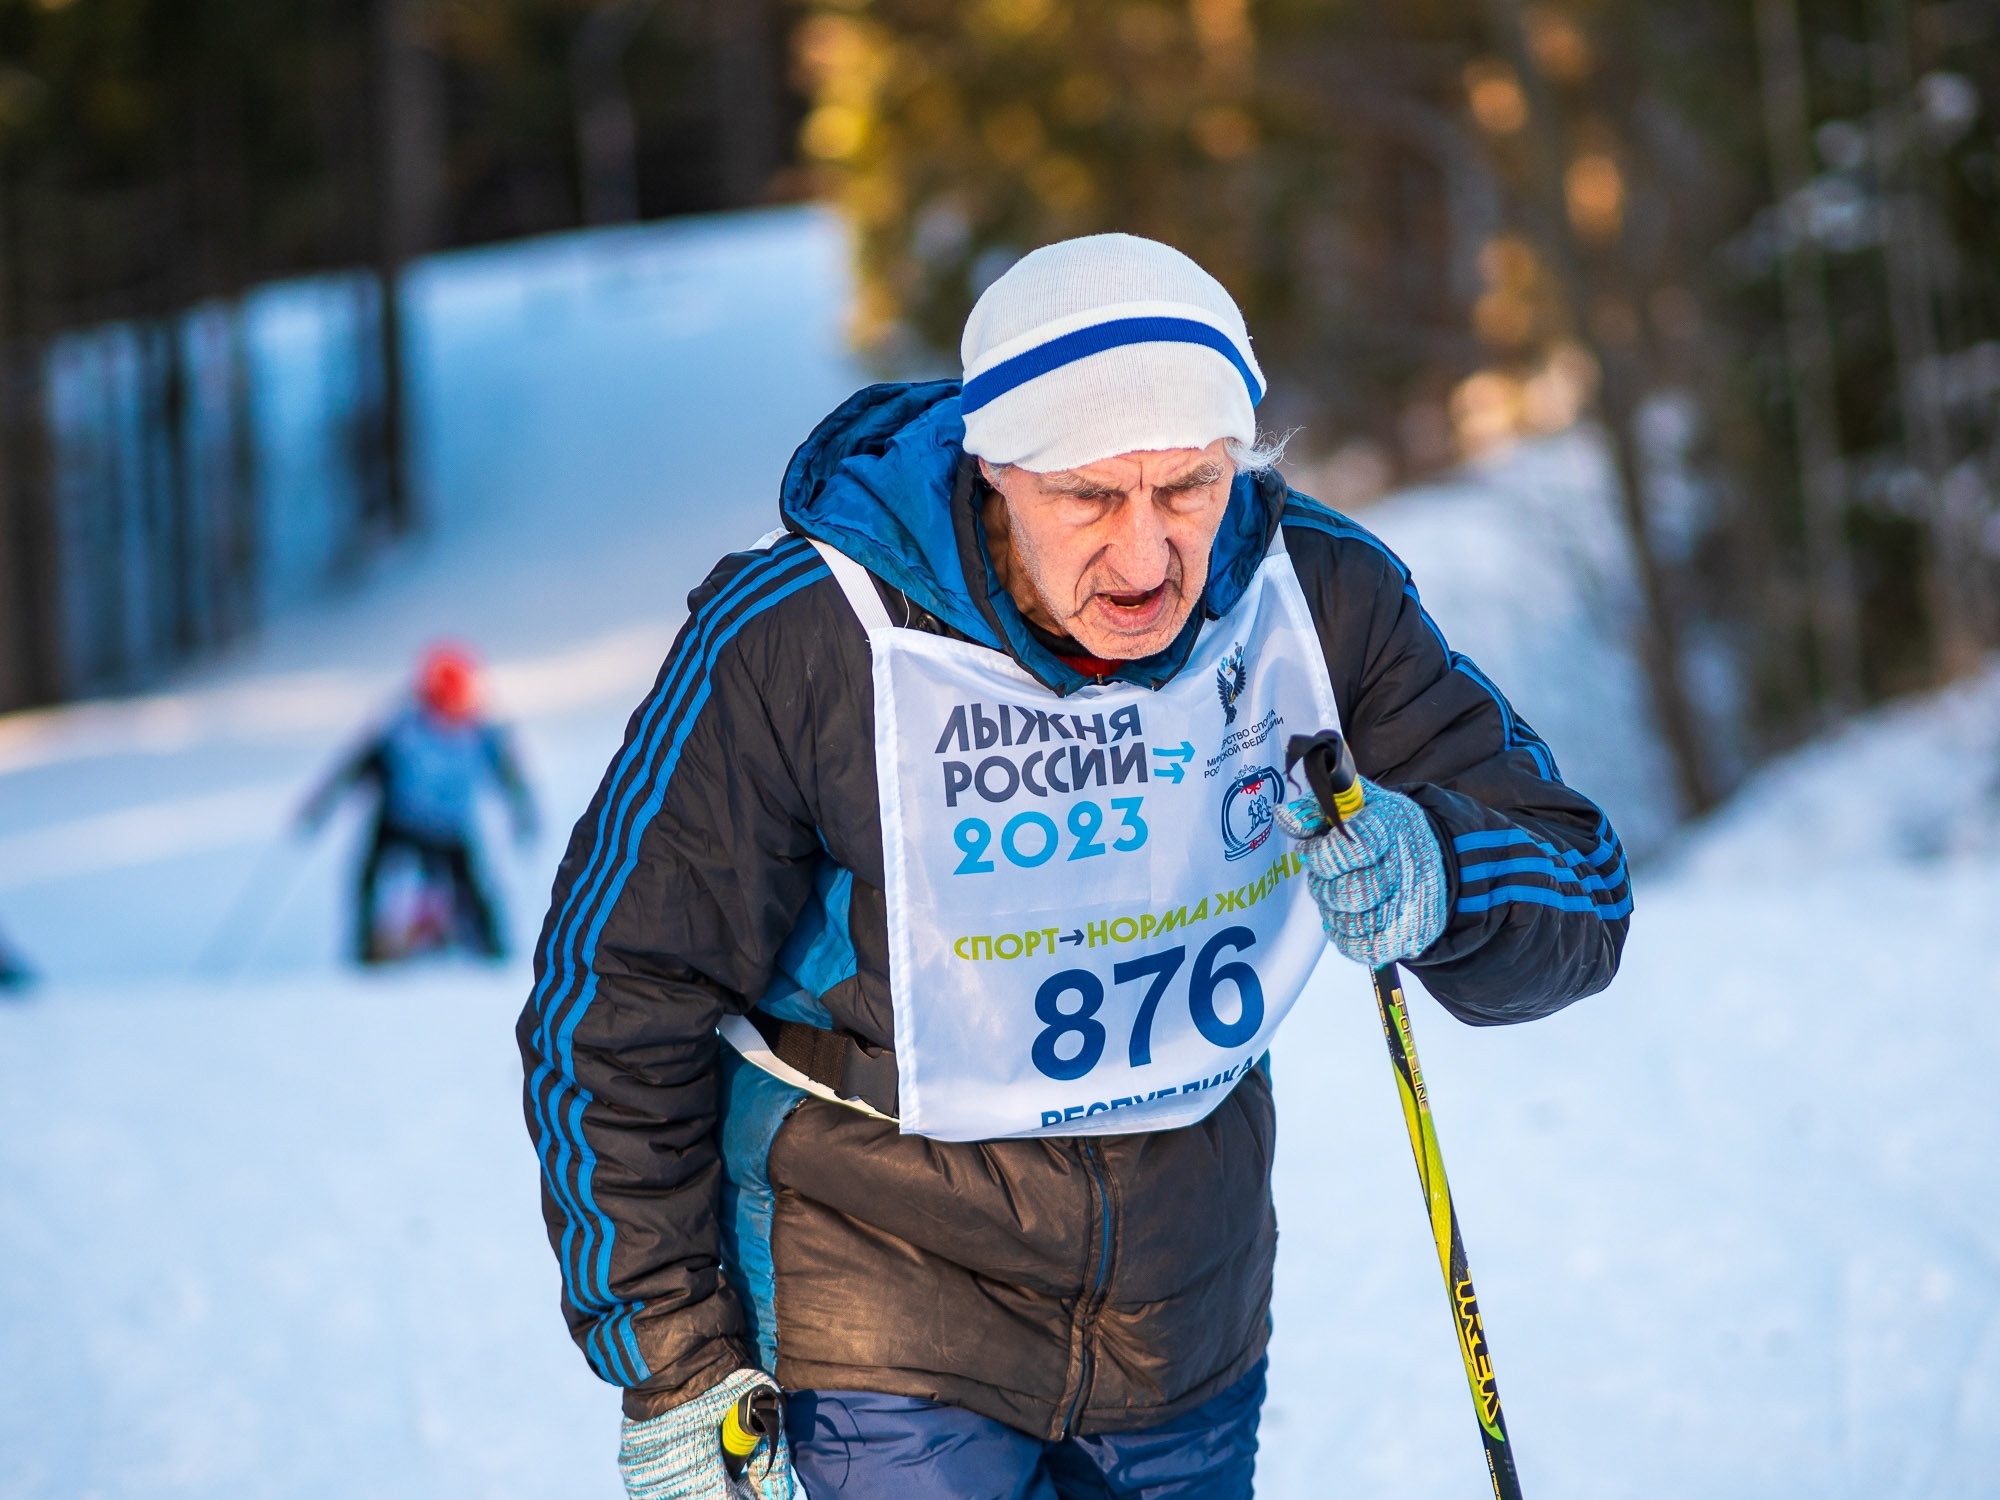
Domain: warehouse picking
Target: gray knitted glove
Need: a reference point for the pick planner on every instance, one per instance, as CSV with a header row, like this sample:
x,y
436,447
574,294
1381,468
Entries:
x,y
678,1456
1381,893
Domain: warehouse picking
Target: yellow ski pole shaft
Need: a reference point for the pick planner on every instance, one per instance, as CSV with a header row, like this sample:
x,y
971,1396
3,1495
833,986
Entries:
x,y
1330,771
1444,1230
757,1417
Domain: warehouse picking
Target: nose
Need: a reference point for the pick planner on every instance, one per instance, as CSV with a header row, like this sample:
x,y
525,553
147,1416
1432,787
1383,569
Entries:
x,y
1138,549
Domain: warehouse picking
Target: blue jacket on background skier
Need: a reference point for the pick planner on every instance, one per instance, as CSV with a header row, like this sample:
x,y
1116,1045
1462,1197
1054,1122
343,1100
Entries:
x,y
428,766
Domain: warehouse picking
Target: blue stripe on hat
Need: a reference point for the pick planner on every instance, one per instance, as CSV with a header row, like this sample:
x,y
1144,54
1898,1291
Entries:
x,y
982,390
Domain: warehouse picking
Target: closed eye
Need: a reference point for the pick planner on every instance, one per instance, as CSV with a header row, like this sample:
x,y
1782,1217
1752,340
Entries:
x,y
1196,479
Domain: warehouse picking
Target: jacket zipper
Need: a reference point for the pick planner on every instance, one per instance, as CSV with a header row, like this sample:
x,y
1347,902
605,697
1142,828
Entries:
x,y
1087,1312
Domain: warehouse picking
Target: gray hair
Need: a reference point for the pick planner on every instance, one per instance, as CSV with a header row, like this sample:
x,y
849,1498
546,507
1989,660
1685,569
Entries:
x,y
1266,453
1249,458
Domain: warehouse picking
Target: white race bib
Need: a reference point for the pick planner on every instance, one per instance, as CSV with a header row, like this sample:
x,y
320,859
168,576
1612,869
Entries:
x,y
1095,925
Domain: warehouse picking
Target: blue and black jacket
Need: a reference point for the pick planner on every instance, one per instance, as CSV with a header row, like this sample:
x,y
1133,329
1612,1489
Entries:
x,y
709,1217
428,773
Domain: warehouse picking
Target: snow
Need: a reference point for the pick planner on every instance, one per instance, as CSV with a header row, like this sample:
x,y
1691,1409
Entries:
x,y
273,1241
1521,562
268,1227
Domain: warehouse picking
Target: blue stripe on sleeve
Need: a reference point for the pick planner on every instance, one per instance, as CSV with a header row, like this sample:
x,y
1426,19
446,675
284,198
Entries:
x,y
1535,895
1537,865
635,790
1541,864
560,1100
1565,867
1589,869
1607,844
563,1117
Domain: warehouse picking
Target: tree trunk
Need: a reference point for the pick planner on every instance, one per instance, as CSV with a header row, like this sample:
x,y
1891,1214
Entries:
x,y
30,652
1909,259
1810,355
746,98
16,623
412,104
240,525
607,139
410,200
1623,387
30,656
181,616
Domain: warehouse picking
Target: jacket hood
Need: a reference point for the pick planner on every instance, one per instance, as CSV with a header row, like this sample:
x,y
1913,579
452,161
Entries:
x,y
885,479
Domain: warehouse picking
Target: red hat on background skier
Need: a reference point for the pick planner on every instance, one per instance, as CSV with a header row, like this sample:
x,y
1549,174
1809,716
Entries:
x,y
448,682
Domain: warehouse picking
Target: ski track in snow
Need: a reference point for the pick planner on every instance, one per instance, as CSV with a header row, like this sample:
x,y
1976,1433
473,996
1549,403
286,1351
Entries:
x,y
274,1231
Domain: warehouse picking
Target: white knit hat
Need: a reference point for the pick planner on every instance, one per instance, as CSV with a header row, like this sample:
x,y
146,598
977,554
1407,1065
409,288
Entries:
x,y
1104,345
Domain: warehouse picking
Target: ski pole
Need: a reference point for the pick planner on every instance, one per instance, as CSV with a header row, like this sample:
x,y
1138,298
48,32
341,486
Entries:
x,y
214,957
756,1417
1329,768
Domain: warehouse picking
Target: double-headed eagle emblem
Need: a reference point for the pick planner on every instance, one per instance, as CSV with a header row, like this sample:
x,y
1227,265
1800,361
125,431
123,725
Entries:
x,y
1230,680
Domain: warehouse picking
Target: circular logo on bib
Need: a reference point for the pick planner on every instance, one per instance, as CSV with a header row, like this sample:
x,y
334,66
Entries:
x,y
1249,810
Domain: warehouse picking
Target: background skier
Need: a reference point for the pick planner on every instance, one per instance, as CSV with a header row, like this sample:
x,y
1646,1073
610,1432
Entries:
x,y
952,814
14,973
426,768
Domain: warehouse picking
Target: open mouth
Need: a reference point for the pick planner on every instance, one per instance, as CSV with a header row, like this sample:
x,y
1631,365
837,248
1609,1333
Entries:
x,y
1133,610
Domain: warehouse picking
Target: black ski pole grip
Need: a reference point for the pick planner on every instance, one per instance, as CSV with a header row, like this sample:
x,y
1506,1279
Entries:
x,y
1329,768
758,1416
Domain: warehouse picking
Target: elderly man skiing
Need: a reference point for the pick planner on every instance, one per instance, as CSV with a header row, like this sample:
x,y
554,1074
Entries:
x,y
901,1019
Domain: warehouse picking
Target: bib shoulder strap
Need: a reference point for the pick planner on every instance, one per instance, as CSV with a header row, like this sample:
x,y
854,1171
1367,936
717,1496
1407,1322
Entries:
x,y
858,584
831,1065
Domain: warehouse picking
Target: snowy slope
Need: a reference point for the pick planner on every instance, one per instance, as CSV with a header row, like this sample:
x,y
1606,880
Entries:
x,y
1522,563
273,1231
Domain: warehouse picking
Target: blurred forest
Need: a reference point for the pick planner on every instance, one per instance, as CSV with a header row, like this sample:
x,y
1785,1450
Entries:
x,y
1757,240
160,158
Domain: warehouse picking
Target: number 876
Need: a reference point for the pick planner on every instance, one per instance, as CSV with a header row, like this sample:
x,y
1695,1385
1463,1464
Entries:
x,y
1160,968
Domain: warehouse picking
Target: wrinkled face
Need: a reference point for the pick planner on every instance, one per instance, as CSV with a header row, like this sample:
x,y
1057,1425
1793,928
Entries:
x,y
1114,554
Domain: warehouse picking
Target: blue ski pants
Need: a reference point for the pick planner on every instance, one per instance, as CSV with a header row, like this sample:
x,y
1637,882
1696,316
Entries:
x,y
858,1445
